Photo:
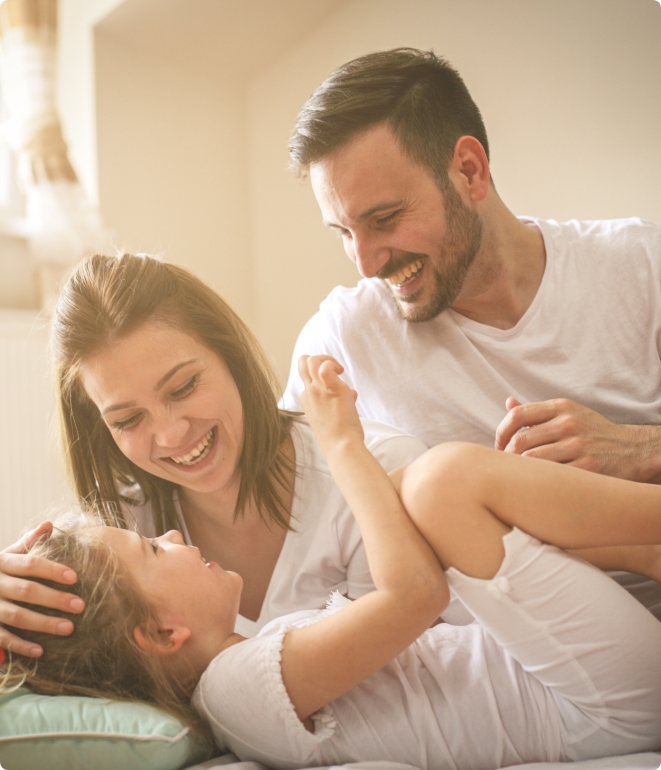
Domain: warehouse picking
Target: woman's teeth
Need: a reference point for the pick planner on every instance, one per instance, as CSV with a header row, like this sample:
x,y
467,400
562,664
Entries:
x,y
199,453
406,274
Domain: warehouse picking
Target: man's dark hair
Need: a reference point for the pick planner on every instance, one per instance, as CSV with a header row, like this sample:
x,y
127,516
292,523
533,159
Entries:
x,y
416,93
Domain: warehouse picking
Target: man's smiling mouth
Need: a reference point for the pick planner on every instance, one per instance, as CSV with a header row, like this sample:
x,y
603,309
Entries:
x,y
406,274
197,454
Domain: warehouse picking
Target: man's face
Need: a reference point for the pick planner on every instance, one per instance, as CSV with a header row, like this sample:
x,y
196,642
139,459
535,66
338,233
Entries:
x,y
396,224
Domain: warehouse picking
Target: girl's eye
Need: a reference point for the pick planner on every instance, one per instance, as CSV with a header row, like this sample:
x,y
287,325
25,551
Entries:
x,y
124,424
187,388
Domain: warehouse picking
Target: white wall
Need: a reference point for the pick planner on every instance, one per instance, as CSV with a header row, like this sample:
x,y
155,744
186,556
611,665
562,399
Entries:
x,y
31,472
570,91
172,165
76,83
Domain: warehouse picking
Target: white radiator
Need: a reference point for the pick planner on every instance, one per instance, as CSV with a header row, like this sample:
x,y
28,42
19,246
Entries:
x,y
31,473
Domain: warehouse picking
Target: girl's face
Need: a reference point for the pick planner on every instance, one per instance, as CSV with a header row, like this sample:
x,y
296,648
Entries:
x,y
171,405
183,589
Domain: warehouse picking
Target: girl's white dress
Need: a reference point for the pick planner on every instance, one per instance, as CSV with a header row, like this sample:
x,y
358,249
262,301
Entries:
x,y
561,664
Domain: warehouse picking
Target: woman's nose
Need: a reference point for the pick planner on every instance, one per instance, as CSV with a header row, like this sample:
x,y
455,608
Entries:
x,y
170,431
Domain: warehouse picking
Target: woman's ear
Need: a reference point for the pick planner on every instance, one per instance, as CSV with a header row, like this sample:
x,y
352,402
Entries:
x,y
160,641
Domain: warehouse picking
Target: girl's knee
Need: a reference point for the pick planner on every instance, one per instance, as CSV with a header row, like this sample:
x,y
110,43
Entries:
x,y
445,473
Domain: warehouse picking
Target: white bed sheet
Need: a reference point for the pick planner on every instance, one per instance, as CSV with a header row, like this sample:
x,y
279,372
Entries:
x,y
647,761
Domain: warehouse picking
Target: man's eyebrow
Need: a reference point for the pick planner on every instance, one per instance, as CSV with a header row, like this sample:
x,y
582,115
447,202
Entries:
x,y
158,386
369,212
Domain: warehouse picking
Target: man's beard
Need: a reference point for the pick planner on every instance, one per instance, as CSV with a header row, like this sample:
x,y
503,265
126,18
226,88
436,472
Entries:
x,y
455,253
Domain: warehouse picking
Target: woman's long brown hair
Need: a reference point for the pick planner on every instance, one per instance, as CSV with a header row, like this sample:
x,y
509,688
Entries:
x,y
105,300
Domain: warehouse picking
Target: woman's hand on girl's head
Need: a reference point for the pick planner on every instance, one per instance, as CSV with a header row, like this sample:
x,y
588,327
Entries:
x,y
328,402
17,566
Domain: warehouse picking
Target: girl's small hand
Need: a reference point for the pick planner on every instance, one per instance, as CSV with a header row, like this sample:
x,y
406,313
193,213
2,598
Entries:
x,y
329,403
17,568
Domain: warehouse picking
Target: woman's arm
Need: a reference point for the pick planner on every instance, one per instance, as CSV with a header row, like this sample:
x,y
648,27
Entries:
x,y
325,660
16,567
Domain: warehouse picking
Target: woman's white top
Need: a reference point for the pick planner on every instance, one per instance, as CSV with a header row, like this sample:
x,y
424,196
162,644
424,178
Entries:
x,y
325,552
561,664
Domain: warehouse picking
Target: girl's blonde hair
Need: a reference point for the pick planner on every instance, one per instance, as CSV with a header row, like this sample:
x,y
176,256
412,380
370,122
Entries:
x,y
101,658
105,300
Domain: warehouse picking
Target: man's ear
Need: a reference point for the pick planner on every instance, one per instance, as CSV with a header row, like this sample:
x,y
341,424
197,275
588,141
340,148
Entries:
x,y
469,168
160,641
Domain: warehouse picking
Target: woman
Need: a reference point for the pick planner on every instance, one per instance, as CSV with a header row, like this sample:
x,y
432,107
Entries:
x,y
561,664
169,415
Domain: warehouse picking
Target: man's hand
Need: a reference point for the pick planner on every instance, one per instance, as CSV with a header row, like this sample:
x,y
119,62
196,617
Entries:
x,y
566,432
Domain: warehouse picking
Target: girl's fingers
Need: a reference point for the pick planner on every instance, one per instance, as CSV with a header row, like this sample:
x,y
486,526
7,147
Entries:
x,y
329,371
309,367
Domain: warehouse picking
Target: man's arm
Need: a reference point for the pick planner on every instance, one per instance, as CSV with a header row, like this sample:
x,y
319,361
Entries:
x,y
566,432
316,338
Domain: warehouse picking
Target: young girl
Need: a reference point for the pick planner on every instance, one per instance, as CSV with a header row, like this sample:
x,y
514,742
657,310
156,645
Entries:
x,y
562,664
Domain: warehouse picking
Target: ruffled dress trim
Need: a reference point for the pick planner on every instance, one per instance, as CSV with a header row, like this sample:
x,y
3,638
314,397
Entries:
x,y
323,720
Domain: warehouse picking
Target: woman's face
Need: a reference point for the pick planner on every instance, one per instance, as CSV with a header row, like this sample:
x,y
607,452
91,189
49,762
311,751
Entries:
x,y
171,405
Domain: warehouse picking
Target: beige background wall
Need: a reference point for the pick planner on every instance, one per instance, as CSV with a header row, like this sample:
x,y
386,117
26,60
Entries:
x,y
192,162
172,160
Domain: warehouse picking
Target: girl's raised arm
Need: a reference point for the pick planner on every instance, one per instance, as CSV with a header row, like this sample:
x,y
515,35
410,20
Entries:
x,y
18,570
325,660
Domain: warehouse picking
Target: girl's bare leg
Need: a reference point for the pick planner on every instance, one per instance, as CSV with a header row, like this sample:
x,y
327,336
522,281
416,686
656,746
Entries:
x,y
464,498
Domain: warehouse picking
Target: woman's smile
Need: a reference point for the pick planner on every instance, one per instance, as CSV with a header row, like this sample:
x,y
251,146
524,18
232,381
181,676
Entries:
x,y
198,453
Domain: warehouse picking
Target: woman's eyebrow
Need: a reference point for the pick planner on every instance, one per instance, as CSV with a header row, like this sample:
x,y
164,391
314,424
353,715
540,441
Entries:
x,y
116,407
172,372
158,386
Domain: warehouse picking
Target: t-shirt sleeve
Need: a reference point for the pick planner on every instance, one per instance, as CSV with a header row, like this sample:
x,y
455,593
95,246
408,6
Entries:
x,y
392,449
243,697
317,337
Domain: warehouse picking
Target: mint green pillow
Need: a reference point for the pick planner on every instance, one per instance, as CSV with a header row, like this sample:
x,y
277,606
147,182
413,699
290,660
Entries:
x,y
71,733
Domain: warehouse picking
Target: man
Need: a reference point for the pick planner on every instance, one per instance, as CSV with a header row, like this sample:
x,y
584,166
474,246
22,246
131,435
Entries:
x,y
471,324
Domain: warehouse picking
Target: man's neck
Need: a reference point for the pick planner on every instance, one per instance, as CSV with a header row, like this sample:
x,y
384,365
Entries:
x,y
507,272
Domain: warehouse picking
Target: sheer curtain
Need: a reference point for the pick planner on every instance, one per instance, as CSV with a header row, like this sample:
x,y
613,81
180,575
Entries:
x,y
62,224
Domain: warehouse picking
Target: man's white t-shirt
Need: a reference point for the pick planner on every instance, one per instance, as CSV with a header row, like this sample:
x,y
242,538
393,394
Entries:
x,y
324,552
592,334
